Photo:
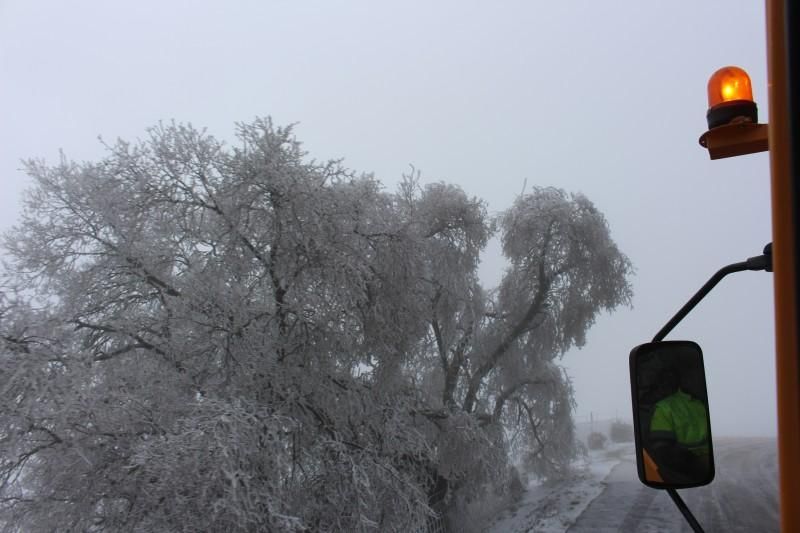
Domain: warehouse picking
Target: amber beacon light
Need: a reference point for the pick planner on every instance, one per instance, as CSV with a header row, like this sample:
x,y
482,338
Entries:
x,y
730,98
732,116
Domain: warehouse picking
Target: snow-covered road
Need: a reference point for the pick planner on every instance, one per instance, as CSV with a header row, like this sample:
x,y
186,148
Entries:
x,y
554,506
606,496
742,498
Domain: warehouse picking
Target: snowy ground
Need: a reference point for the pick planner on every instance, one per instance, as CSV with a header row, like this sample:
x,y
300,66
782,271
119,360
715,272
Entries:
x,y
554,507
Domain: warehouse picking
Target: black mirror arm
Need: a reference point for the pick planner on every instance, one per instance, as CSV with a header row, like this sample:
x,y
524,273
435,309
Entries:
x,y
759,262
687,514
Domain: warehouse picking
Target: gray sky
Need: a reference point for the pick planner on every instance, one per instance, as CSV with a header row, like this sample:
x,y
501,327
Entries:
x,y
605,98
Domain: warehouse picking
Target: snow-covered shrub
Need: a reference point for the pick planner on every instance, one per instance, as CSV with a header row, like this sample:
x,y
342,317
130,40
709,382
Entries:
x,y
621,431
596,440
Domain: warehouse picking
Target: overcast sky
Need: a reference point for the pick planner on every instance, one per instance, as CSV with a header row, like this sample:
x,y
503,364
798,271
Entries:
x,y
605,98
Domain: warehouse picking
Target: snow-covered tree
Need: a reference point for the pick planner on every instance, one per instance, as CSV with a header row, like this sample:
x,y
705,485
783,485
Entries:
x,y
198,337
494,356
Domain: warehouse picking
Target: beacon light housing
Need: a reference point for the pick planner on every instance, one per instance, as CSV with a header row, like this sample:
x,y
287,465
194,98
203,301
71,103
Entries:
x,y
730,98
733,127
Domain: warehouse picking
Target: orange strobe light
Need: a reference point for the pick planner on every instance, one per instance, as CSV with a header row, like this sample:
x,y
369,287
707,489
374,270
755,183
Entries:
x,y
730,98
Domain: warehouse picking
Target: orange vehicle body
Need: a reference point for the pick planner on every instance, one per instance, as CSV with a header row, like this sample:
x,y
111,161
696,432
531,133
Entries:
x,y
785,244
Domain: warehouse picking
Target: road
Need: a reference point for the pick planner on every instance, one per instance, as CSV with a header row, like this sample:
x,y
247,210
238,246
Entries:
x,y
742,498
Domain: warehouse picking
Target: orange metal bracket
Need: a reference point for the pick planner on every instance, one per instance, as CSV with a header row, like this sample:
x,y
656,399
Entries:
x,y
736,139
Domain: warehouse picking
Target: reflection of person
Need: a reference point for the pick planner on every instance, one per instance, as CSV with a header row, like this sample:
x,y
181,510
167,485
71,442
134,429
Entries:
x,y
678,437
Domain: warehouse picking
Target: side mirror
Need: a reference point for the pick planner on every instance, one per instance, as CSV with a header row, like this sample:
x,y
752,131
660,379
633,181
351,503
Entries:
x,y
671,423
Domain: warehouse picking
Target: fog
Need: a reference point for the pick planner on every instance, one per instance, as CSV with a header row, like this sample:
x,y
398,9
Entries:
x,y
605,99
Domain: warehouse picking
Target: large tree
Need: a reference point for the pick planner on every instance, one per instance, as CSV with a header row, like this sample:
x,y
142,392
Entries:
x,y
197,337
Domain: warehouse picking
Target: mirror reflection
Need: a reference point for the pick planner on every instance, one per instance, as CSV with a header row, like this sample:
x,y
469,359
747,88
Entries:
x,y
671,407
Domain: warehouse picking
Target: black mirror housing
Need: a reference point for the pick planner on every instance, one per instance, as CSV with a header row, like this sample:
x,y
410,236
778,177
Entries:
x,y
672,427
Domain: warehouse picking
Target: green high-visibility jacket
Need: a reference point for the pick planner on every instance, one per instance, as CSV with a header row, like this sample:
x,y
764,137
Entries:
x,y
682,419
